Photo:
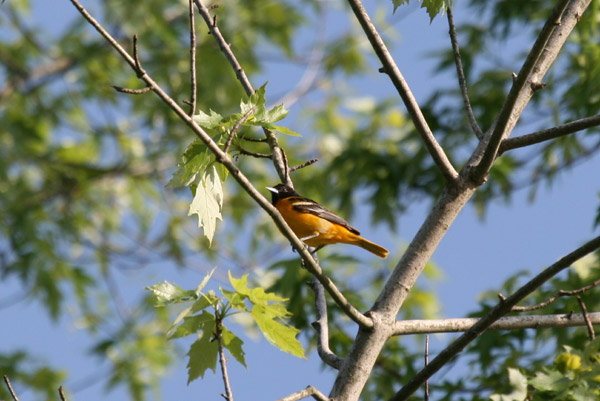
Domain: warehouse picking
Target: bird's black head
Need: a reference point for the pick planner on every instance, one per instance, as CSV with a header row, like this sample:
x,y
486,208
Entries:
x,y
281,191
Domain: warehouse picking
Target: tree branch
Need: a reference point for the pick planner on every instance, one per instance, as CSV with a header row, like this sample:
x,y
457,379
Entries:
x,y
321,325
305,164
222,360
276,151
558,294
309,391
462,82
485,322
406,327
61,393
548,134
586,317
10,389
235,172
193,84
390,68
236,127
552,37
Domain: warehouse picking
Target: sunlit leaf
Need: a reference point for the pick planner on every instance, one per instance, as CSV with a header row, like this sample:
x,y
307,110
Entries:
x,y
207,202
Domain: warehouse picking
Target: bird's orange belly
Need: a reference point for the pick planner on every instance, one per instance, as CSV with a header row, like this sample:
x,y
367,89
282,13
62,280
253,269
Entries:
x,y
316,231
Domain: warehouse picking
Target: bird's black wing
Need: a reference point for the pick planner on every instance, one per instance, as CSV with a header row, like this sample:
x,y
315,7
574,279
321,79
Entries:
x,y
305,205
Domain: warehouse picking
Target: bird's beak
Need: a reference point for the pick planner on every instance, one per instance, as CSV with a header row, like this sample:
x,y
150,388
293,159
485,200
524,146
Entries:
x,y
272,190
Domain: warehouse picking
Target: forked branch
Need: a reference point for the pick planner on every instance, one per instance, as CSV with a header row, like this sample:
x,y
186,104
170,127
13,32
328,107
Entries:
x,y
460,72
276,151
235,172
496,313
309,391
392,70
552,37
430,326
548,134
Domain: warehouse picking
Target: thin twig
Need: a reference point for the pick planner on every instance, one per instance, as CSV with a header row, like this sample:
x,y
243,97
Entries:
x,y
392,70
457,325
254,139
254,154
305,164
136,57
462,82
321,325
309,391
61,393
276,151
222,360
236,127
193,84
558,294
548,134
427,363
10,389
132,91
586,317
498,311
533,68
311,264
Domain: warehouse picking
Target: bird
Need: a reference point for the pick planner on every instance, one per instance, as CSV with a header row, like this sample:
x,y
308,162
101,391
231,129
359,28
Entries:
x,y
316,225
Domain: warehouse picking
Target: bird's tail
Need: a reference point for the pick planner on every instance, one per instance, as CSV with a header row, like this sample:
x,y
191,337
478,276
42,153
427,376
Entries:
x,y
372,247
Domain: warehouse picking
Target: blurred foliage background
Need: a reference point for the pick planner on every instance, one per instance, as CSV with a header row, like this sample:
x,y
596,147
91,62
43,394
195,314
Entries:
x,y
83,170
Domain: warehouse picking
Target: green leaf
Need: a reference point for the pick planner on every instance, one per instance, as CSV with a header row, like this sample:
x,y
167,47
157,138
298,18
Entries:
x,y
551,380
519,383
261,117
208,202
235,299
280,335
255,295
234,344
191,325
203,352
205,300
209,121
257,99
196,159
268,312
167,293
398,3
433,7
205,281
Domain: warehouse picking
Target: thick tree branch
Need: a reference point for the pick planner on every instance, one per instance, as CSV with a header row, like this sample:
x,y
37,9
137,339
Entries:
x,y
321,325
309,391
496,313
548,134
390,68
406,327
235,172
276,151
548,44
462,82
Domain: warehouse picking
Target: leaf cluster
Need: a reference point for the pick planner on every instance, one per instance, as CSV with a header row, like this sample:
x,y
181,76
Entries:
x,y
204,314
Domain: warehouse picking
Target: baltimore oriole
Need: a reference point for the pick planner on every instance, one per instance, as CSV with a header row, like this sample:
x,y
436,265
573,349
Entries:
x,y
316,225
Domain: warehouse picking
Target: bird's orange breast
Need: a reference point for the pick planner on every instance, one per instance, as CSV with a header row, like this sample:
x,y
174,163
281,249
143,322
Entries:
x,y
305,225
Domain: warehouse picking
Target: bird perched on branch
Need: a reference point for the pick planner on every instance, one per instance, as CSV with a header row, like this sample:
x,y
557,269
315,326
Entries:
x,y
316,225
